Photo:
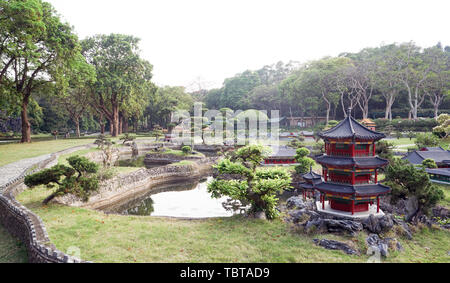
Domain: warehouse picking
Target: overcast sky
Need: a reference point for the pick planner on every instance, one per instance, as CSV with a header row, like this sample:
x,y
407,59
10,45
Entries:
x,y
215,39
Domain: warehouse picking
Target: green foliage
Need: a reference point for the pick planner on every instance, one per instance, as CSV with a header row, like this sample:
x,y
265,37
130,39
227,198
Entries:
x,y
78,179
128,138
429,163
186,150
103,142
406,180
443,129
384,149
398,134
426,140
304,161
239,179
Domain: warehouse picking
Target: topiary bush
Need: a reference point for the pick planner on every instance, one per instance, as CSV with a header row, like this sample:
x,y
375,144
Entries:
x,y
186,150
78,179
304,161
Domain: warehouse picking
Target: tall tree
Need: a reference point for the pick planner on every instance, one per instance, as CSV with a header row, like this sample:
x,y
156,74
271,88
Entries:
x,y
35,45
437,85
120,71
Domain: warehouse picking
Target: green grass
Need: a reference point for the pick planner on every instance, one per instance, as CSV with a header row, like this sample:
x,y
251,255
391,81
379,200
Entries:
x,y
11,249
446,201
114,238
402,141
14,152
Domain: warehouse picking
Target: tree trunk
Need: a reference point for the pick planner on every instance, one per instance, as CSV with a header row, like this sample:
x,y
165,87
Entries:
x,y
49,198
115,121
102,123
125,124
77,125
26,126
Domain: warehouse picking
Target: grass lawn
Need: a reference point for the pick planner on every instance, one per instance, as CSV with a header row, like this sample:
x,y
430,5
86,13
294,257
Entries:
x,y
114,238
446,201
16,151
11,249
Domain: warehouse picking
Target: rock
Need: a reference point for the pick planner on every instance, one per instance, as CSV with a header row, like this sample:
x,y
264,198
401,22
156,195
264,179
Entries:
x,y
411,208
259,215
295,202
441,212
343,226
378,225
333,226
404,228
381,247
335,245
376,246
301,215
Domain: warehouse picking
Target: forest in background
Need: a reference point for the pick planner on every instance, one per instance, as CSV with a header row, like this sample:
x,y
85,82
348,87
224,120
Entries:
x,y
52,81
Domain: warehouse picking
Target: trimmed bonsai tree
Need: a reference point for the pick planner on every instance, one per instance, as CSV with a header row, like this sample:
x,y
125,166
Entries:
x,y
408,181
78,179
186,150
304,162
429,163
240,179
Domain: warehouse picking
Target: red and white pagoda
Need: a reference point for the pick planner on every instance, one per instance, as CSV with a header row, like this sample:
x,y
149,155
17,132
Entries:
x,y
350,168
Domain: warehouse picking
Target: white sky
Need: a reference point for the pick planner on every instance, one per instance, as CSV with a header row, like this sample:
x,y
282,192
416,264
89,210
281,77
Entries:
x,y
216,39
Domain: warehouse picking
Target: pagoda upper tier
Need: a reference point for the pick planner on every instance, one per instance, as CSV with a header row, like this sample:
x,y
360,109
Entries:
x,y
349,128
351,162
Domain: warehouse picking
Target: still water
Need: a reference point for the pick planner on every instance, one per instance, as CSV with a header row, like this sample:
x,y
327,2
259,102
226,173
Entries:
x,y
181,200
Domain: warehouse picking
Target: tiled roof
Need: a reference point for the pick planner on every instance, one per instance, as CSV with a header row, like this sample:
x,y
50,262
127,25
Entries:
x,y
416,157
360,162
358,190
440,171
350,128
283,151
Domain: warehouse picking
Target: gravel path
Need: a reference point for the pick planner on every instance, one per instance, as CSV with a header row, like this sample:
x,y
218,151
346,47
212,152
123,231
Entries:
x,y
10,171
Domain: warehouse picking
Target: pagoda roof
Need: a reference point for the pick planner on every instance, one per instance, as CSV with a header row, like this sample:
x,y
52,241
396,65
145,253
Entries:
x,y
311,175
350,128
358,190
360,162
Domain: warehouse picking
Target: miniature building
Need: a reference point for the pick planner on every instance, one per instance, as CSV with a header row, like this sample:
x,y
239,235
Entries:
x,y
369,124
438,154
305,122
281,155
350,167
311,180
441,176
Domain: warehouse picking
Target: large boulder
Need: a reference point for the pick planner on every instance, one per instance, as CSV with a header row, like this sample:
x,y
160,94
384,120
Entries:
x,y
299,216
411,208
335,245
378,225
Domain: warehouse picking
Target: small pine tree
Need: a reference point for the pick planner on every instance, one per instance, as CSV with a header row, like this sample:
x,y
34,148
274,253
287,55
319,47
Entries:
x,y
304,161
78,179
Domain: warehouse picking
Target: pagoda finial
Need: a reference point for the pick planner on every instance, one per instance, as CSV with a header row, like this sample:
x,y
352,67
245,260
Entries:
x,y
349,112
310,169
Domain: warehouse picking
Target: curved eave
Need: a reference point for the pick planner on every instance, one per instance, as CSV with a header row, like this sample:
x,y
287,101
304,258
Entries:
x,y
359,190
349,128
358,162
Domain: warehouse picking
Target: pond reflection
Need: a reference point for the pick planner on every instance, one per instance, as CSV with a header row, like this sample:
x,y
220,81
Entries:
x,y
181,200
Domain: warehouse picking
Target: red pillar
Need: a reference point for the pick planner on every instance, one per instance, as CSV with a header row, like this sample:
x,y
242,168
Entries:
x,y
378,204
353,177
373,149
353,149
353,207
376,176
325,174
323,202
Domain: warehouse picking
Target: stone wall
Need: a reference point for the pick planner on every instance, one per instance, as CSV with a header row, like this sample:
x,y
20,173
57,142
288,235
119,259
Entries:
x,y
24,224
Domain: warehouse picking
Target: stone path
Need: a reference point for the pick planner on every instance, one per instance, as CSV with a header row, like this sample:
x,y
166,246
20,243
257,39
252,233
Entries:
x,y
10,171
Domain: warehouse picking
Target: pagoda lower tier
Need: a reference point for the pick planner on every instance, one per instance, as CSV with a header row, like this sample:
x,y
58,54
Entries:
x,y
351,162
351,198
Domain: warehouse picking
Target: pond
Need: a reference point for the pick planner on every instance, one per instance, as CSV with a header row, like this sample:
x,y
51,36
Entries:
x,y
181,200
